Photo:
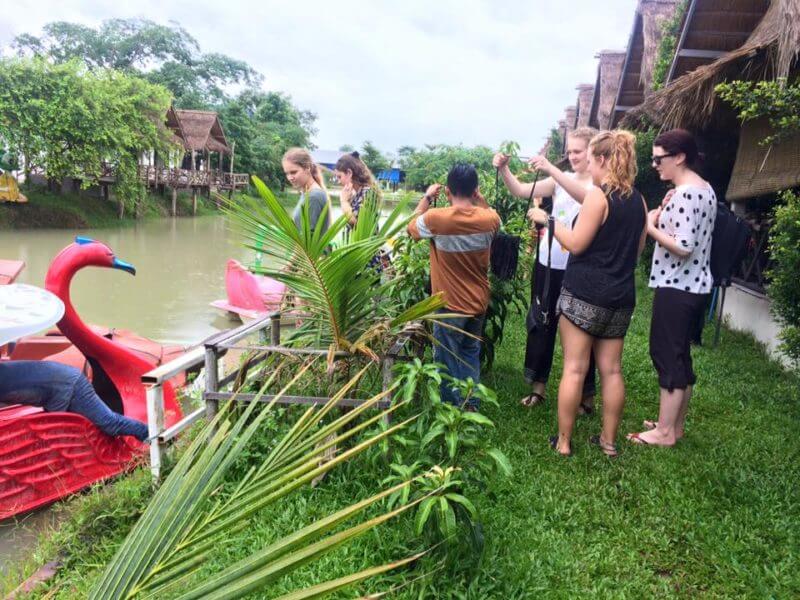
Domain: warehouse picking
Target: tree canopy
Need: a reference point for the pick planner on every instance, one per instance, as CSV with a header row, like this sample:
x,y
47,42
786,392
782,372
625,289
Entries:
x,y
264,125
374,158
432,163
69,121
163,54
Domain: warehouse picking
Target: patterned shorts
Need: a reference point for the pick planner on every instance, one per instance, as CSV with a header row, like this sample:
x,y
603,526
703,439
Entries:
x,y
597,321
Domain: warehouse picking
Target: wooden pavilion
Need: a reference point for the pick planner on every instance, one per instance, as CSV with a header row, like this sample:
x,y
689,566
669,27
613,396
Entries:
x,y
201,141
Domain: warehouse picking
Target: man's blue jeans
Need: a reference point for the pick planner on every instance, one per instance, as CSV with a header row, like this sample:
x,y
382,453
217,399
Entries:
x,y
56,387
460,353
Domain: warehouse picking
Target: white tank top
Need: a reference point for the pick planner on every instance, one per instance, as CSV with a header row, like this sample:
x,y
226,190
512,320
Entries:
x,y
565,209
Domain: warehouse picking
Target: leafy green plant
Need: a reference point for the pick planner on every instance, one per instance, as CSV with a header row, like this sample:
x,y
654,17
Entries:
x,y
345,305
670,30
446,451
777,100
784,287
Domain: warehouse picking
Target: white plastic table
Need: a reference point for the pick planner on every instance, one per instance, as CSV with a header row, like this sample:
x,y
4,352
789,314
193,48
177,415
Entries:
x,y
26,309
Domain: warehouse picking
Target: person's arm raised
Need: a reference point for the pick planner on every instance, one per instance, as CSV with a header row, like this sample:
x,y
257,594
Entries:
x,y
576,189
590,218
544,188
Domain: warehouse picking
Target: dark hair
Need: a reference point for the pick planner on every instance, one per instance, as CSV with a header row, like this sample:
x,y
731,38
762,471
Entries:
x,y
462,180
679,141
362,176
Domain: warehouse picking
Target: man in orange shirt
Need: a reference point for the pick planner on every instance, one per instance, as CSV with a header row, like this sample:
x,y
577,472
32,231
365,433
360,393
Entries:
x,y
461,238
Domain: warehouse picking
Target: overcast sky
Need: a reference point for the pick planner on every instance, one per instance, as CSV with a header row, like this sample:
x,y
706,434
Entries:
x,y
396,73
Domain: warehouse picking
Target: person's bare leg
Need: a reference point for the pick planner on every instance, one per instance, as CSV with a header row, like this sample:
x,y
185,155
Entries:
x,y
577,346
608,354
664,434
680,425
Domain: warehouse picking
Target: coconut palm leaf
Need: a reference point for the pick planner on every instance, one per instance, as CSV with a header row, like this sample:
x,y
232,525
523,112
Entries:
x,y
189,515
347,305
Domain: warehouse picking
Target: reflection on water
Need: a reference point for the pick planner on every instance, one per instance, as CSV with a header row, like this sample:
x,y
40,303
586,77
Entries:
x,y
180,269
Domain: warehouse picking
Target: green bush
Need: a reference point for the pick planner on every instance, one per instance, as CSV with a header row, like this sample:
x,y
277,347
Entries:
x,y
784,287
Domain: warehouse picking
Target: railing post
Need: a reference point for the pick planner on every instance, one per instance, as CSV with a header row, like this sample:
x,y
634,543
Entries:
x,y
275,329
212,377
155,425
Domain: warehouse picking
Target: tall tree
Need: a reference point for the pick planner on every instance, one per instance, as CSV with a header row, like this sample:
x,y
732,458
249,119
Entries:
x,y
432,163
264,126
164,54
373,158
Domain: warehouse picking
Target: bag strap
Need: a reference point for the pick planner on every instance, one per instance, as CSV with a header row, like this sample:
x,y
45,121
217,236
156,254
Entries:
x,y
546,293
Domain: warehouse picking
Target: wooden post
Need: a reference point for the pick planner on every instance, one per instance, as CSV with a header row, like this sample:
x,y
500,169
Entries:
x,y
212,376
194,201
155,425
275,330
233,184
174,202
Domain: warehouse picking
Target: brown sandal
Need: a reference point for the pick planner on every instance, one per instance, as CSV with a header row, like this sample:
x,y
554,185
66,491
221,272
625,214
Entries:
x,y
610,450
532,400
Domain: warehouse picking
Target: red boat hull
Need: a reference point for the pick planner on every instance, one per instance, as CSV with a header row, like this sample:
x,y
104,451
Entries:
x,y
47,456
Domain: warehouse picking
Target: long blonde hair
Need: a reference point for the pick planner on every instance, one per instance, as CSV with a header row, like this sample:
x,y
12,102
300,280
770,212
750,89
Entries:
x,y
302,159
618,147
583,133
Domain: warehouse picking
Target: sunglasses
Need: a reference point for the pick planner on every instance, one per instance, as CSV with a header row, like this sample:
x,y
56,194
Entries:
x,y
657,159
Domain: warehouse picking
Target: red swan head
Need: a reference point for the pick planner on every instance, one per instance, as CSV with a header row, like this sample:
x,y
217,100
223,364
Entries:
x,y
117,369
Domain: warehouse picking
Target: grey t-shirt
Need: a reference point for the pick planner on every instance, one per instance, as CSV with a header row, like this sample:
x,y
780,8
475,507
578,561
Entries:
x,y
317,200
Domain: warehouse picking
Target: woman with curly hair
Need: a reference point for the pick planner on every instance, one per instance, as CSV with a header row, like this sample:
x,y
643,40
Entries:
x,y
598,291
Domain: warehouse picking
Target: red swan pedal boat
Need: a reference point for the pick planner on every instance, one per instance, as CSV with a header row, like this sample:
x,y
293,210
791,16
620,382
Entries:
x,y
47,456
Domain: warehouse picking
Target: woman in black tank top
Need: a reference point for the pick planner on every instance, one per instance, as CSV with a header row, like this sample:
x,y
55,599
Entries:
x,y
598,293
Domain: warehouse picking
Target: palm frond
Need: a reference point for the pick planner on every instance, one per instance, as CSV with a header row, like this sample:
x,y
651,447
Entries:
x,y
187,517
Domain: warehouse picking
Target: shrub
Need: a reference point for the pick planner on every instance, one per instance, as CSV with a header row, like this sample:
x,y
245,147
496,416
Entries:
x,y
784,287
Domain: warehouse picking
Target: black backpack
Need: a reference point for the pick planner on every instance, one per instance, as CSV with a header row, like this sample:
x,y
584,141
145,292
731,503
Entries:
x,y
728,245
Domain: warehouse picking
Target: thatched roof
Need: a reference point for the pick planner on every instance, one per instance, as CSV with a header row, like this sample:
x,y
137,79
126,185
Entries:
x,y
759,170
643,44
712,28
769,52
198,130
609,71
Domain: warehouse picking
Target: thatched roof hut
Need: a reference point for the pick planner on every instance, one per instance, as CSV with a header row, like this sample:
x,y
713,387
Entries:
x,y
690,101
609,71
198,130
584,104
770,51
645,39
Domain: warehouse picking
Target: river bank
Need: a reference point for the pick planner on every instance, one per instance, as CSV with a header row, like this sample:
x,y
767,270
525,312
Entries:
x,y
48,210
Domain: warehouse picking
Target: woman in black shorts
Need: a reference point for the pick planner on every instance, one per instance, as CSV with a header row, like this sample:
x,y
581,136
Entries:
x,y
598,293
681,275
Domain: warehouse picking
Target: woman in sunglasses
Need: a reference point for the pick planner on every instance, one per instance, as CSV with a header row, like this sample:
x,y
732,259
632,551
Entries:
x,y
681,275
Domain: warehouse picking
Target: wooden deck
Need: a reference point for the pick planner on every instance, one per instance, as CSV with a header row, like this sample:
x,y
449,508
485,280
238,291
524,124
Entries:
x,y
184,178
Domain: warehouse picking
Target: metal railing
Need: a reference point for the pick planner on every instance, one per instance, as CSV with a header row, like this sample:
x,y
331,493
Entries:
x,y
209,353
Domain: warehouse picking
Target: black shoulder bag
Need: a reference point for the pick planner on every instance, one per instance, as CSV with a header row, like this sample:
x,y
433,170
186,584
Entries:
x,y
504,254
539,312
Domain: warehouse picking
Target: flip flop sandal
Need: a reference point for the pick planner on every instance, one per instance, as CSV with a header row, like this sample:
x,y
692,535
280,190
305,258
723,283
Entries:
x,y
532,400
554,446
636,438
610,450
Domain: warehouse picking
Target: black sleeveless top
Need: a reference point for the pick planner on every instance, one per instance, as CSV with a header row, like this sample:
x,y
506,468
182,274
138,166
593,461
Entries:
x,y
603,274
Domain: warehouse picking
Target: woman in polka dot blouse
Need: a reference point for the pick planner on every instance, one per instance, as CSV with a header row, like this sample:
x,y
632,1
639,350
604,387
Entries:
x,y
681,275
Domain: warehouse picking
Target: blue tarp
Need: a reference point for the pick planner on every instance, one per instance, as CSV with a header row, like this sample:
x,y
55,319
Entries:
x,y
390,175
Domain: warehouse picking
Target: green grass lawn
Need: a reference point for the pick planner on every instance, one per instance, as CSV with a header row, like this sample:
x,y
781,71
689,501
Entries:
x,y
718,516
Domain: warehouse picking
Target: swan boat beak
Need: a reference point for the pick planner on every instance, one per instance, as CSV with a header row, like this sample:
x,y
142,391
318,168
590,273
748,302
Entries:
x,y
124,266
